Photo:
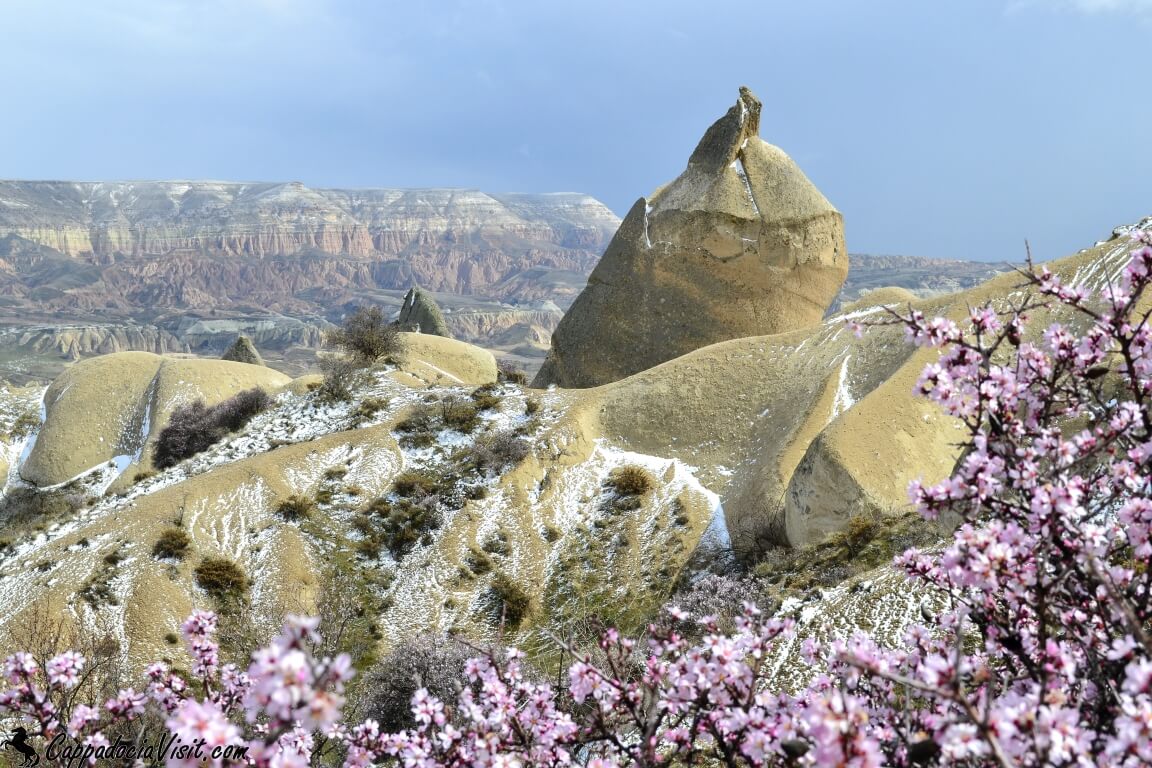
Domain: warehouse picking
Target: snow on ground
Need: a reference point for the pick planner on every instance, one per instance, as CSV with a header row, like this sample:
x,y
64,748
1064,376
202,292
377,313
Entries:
x,y
843,400
427,592
738,166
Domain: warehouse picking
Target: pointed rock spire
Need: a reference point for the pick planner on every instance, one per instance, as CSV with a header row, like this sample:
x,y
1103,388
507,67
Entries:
x,y
420,312
243,351
739,244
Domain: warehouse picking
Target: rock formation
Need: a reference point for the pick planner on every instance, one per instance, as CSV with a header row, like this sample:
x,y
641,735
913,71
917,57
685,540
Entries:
x,y
752,442
420,313
222,242
243,351
740,244
111,408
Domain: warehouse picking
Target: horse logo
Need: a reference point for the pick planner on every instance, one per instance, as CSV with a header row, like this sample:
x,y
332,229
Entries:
x,y
19,742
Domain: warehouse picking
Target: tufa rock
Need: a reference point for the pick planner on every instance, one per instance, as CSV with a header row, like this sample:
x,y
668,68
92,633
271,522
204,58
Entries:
x,y
420,313
740,244
243,351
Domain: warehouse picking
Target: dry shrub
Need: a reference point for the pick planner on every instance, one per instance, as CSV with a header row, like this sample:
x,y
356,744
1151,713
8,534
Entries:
x,y
459,414
415,484
630,480
425,661
173,542
296,508
221,578
511,604
195,427
366,335
510,372
342,376
499,451
485,397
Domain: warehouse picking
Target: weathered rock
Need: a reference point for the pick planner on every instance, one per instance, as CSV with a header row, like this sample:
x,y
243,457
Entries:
x,y
740,244
435,359
111,408
421,313
243,351
212,244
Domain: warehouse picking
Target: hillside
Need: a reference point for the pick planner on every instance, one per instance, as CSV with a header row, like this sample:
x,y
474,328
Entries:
x,y
89,268
747,450
185,266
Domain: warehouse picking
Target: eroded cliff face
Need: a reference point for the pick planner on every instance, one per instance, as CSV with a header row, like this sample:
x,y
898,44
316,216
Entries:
x,y
215,236
92,268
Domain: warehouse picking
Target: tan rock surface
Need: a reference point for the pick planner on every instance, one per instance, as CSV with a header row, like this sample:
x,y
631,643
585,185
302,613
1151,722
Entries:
x,y
98,409
740,244
436,359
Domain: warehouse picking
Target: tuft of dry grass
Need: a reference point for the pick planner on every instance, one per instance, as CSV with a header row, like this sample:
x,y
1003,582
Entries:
x,y
630,480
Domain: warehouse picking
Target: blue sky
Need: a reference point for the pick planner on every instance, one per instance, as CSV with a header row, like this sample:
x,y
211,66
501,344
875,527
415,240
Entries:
x,y
952,128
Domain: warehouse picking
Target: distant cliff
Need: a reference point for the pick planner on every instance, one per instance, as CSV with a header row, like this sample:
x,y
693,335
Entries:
x,y
223,242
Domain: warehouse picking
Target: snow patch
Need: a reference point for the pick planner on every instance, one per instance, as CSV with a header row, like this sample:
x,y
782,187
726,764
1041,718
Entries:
x,y
843,399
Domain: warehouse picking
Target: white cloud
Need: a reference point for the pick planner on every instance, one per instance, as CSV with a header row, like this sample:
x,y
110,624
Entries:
x,y
1129,7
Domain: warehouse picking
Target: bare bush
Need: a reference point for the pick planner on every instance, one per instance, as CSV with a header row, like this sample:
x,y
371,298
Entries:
x,y
722,597
238,410
195,427
342,376
425,661
366,335
511,373
499,451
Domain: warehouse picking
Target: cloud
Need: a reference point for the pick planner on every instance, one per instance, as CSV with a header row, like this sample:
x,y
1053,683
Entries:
x,y
1094,7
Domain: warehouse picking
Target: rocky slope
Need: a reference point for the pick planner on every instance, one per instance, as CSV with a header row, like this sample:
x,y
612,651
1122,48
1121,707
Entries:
x,y
432,230
750,442
740,244
168,266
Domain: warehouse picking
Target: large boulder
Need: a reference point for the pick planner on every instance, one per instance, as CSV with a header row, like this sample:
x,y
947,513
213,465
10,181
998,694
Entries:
x,y
421,313
740,244
112,408
434,360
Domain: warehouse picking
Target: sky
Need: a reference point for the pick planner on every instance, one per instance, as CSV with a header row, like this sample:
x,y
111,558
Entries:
x,y
946,128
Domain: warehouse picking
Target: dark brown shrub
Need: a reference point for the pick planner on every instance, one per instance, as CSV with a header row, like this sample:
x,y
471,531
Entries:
x,y
369,407
296,508
173,542
511,603
499,451
221,578
459,414
191,430
415,484
485,397
194,428
407,524
630,480
238,410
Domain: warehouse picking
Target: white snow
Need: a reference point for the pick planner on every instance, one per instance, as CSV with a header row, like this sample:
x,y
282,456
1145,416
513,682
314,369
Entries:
x,y
843,399
855,315
738,166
